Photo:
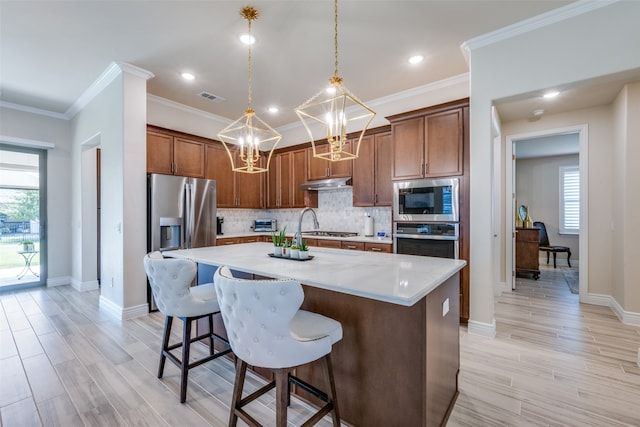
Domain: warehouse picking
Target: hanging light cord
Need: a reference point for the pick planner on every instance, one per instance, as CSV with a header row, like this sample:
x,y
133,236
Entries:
x,y
335,35
250,14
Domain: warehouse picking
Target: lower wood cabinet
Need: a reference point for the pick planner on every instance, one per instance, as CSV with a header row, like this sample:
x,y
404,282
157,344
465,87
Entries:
x,y
378,247
354,246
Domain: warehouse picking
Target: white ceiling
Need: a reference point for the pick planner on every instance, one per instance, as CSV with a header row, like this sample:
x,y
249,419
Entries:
x,y
52,51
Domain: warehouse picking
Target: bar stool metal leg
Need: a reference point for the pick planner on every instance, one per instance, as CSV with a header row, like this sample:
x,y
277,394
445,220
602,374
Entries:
x,y
184,366
168,321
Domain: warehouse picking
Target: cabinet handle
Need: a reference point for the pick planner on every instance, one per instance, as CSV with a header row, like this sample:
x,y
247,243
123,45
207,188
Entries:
x,y
327,173
173,168
350,247
376,250
426,168
228,243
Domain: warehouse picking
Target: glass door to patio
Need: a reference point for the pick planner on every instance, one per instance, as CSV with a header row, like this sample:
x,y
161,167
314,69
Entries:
x,y
22,215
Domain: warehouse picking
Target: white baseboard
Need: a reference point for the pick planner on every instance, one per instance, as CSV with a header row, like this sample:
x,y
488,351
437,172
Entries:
x,y
626,317
487,330
123,313
58,281
84,286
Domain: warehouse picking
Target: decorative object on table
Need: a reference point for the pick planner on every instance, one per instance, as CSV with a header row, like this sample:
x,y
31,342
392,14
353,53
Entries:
x,y
528,222
308,258
27,246
328,113
247,136
519,219
303,249
522,215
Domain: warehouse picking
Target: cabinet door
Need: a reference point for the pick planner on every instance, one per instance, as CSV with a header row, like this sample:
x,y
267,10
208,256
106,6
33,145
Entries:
x,y
286,186
250,189
218,167
326,243
364,193
159,153
188,157
317,168
353,246
273,183
443,143
408,148
382,175
301,198
378,247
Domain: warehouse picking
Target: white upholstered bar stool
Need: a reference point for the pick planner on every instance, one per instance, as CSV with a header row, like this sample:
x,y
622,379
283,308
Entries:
x,y
170,281
267,329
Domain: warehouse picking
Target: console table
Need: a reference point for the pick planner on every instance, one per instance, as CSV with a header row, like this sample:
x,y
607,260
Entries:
x,y
527,248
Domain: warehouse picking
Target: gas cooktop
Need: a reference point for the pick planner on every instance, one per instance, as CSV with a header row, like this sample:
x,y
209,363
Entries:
x,y
329,233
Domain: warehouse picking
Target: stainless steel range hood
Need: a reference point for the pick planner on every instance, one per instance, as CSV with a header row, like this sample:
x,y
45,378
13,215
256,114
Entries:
x,y
327,184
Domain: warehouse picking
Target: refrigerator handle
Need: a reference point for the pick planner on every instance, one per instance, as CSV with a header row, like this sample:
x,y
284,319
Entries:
x,y
188,216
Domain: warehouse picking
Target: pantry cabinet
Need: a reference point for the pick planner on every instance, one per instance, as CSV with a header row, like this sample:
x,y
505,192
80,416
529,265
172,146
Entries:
x,y
172,155
429,145
372,185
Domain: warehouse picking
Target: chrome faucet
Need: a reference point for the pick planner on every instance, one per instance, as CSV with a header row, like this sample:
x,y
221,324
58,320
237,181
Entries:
x,y
298,236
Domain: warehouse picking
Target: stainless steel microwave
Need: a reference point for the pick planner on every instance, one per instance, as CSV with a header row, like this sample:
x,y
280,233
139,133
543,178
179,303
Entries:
x,y
265,225
427,200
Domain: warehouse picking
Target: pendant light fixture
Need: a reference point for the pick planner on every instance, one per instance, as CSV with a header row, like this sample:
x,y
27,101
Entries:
x,y
327,114
246,137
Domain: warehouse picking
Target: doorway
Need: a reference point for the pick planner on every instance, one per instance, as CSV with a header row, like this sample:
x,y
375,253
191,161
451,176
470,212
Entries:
x,y
547,153
23,249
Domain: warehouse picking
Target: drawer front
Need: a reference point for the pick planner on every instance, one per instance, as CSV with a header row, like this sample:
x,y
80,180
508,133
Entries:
x,y
378,247
354,246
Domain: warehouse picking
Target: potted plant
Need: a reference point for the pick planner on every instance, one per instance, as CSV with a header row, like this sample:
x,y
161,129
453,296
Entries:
x,y
278,241
27,246
293,251
286,249
303,250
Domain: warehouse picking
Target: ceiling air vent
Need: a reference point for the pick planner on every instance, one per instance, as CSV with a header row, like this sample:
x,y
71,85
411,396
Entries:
x,y
211,97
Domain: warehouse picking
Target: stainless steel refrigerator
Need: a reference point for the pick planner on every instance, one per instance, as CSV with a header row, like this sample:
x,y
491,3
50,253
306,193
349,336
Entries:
x,y
181,214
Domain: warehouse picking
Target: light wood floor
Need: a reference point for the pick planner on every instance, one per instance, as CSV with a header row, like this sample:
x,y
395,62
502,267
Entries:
x,y
64,362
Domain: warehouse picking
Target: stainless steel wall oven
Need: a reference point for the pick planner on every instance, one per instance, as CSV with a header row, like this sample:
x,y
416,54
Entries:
x,y
427,239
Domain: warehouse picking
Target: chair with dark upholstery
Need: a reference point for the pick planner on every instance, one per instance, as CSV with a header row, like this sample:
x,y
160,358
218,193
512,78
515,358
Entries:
x,y
549,248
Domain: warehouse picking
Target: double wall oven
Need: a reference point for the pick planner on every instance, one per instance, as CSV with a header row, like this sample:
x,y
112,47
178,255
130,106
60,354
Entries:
x,y
426,215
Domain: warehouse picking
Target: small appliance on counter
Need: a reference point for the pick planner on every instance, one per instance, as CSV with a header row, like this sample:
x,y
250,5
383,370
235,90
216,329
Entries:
x,y
265,225
219,222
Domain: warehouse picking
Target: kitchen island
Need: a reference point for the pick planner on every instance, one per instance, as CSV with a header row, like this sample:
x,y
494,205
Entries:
x,y
398,361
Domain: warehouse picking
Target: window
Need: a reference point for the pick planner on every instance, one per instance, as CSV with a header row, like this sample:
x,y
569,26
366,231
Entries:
x,y
569,200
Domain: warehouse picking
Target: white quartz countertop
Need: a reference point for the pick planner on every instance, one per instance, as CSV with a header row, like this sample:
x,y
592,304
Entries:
x,y
374,239
393,278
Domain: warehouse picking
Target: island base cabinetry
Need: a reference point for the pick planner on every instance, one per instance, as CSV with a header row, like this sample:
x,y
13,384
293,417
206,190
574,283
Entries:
x,y
395,365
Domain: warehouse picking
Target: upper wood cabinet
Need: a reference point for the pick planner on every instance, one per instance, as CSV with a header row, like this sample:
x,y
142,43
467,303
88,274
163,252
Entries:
x,y
372,185
172,155
428,146
287,171
233,189
320,168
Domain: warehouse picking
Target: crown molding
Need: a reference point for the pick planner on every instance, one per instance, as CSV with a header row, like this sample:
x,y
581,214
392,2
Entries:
x,y
33,110
551,17
109,75
191,110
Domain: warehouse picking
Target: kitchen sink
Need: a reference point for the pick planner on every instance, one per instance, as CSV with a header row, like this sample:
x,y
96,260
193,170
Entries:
x,y
322,233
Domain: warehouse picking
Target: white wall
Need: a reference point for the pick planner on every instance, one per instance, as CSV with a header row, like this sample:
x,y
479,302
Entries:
x,y
549,57
538,188
25,125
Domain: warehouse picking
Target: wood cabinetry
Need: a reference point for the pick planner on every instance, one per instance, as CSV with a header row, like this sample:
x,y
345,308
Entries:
x,y
233,189
372,185
287,172
319,168
378,247
527,241
172,155
327,243
428,145
353,246
223,241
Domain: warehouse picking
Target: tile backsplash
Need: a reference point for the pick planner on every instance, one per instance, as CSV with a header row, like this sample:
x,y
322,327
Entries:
x,y
335,213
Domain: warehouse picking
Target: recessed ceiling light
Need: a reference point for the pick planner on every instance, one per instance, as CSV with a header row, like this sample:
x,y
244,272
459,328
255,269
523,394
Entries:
x,y
247,39
537,113
188,76
273,109
551,94
416,59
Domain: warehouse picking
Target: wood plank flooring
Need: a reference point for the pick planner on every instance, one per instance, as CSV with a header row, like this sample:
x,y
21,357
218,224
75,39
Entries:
x,y
64,362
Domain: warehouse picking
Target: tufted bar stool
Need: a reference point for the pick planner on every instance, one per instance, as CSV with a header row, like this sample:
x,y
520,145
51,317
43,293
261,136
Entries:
x,y
170,281
267,329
